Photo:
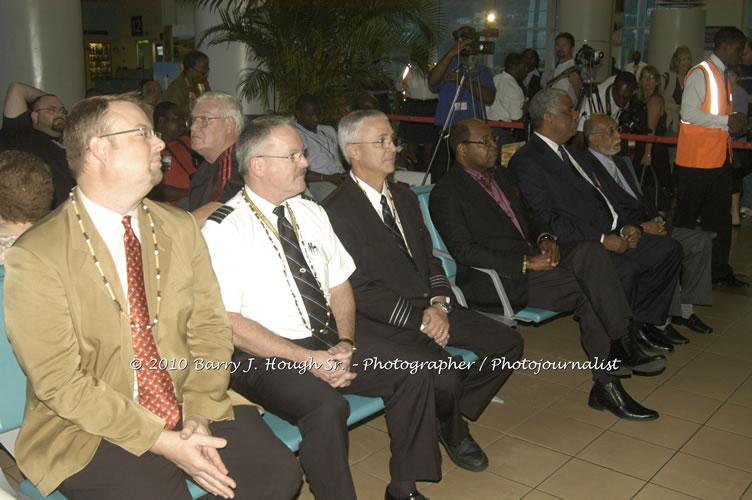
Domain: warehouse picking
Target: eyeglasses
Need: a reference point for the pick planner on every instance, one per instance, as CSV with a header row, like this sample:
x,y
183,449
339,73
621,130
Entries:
x,y
203,121
293,157
55,111
146,133
386,142
609,131
488,141
202,73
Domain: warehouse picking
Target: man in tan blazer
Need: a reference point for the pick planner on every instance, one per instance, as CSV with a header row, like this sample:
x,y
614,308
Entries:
x,y
72,296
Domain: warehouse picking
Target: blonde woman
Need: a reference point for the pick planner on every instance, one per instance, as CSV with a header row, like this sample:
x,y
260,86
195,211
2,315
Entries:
x,y
650,154
681,61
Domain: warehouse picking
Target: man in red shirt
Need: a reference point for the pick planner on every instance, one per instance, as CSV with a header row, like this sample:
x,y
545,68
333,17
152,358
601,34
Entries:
x,y
178,158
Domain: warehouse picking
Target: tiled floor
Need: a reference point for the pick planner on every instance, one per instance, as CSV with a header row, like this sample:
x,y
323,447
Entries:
x,y
544,442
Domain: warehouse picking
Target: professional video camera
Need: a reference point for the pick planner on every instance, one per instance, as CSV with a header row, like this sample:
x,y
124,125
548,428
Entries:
x,y
586,61
477,46
632,117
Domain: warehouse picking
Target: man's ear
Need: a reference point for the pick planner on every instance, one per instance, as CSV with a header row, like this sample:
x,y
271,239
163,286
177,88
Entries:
x,y
34,117
99,147
256,166
352,151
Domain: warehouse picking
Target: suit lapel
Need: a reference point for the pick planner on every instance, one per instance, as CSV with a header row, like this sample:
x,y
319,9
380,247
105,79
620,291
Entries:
x,y
83,255
149,257
477,192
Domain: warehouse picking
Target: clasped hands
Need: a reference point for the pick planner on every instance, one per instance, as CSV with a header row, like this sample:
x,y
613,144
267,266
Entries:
x,y
629,237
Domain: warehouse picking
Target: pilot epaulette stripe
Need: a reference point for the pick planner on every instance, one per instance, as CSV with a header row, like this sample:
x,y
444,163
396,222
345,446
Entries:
x,y
219,214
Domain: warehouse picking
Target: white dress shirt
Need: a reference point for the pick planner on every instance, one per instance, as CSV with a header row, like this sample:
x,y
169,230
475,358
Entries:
x,y
507,105
110,227
251,267
555,147
613,171
374,198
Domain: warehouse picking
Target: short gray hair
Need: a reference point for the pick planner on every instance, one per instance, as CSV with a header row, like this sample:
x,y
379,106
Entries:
x,y
230,105
255,135
544,102
349,127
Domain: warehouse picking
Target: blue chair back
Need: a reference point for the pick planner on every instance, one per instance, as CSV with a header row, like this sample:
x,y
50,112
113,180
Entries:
x,y
424,193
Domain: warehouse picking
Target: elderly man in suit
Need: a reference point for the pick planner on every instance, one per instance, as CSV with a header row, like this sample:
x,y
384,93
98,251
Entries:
x,y
301,322
485,223
118,405
401,291
618,183
554,185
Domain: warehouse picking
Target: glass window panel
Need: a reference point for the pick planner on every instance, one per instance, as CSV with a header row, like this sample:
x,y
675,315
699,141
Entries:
x,y
516,41
521,13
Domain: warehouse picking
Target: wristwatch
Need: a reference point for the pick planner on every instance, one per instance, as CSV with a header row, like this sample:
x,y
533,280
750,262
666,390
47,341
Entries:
x,y
446,306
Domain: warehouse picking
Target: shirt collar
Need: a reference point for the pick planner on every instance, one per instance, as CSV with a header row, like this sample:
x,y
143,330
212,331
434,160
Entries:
x,y
718,63
551,144
107,222
606,160
373,196
477,175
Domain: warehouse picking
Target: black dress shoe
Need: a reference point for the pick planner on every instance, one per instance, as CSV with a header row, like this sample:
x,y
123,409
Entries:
x,y
652,339
614,398
673,336
415,495
467,454
731,281
693,323
633,359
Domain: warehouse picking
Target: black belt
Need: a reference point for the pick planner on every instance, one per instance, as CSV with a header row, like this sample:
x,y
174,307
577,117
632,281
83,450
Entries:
x,y
422,100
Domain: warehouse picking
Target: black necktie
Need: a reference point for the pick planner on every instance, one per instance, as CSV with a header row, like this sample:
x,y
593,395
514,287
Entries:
x,y
391,224
313,298
725,85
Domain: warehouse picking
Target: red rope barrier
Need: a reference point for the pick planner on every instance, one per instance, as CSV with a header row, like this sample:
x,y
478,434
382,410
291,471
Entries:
x,y
629,137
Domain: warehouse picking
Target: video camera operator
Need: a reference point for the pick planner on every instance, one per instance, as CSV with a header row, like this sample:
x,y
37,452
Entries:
x,y
477,90
564,75
613,98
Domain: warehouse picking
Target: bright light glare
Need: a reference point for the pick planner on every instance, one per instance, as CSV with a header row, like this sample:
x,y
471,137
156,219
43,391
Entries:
x,y
491,17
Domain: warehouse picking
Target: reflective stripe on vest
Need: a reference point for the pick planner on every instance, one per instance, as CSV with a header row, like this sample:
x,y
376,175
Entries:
x,y
704,147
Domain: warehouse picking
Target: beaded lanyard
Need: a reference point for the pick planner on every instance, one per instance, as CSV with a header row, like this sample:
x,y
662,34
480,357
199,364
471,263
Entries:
x,y
101,272
269,227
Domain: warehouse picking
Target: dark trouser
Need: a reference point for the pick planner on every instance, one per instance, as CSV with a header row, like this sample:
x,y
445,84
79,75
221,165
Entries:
x,y
320,412
458,392
649,274
585,280
260,464
696,286
706,193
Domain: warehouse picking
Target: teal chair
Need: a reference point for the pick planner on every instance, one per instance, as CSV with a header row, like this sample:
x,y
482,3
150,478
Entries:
x,y
13,397
526,315
361,408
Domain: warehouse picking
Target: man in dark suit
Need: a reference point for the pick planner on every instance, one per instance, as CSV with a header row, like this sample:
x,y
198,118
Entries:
x,y
618,183
479,212
401,291
556,187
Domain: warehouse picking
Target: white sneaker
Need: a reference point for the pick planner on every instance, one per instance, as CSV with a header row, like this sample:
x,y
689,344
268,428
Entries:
x,y
745,212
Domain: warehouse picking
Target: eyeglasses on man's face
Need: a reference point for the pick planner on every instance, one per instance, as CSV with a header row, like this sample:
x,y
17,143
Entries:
x,y
146,133
55,110
203,121
609,131
293,157
487,142
385,142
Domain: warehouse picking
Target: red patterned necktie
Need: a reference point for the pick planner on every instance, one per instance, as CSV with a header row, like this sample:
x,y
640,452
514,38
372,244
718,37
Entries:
x,y
155,390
